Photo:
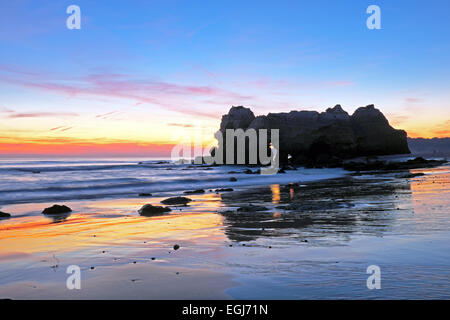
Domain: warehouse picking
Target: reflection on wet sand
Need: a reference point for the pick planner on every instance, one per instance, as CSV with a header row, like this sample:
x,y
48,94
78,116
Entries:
x,y
58,218
322,209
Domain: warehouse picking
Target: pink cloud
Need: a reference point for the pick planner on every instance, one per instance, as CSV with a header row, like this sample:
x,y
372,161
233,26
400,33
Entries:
x,y
339,83
41,115
412,100
171,96
180,125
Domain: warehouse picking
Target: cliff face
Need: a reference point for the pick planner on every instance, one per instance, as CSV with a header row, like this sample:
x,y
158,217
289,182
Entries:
x,y
310,136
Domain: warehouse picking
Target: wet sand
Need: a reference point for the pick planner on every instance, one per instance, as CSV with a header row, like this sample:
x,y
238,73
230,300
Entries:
x,y
314,241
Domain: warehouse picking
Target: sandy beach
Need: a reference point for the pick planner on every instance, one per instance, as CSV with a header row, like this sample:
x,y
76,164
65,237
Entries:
x,y
312,240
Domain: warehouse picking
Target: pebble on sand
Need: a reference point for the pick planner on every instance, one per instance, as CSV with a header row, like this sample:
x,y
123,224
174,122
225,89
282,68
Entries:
x,y
176,247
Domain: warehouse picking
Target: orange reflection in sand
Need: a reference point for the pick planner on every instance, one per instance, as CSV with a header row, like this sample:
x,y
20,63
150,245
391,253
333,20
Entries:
x,y
275,188
431,195
36,234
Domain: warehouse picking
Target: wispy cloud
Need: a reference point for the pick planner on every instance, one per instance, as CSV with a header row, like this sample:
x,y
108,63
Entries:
x,y
180,125
108,114
170,96
13,115
412,100
61,128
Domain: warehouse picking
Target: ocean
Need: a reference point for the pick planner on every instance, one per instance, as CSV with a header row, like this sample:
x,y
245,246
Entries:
x,y
24,181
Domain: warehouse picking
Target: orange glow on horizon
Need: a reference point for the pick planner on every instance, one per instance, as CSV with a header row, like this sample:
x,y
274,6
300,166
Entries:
x,y
89,143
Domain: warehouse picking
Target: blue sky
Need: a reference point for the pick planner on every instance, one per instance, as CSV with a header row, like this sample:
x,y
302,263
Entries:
x,y
135,63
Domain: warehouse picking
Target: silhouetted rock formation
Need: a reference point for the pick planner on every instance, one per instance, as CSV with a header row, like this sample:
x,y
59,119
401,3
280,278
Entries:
x,y
310,137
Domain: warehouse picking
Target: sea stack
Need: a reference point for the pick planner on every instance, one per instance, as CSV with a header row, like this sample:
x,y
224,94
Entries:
x,y
310,137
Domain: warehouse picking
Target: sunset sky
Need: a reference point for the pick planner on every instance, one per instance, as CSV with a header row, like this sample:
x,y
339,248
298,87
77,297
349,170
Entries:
x,y
140,74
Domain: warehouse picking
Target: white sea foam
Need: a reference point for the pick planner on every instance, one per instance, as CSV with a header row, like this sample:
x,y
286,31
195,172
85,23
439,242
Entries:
x,y
42,181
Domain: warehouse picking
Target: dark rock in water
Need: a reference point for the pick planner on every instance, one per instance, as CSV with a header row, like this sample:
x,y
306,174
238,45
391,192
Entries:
x,y
176,200
57,209
145,194
291,206
251,208
310,137
148,210
233,179
4,215
195,191
412,175
383,165
288,167
176,247
227,212
224,190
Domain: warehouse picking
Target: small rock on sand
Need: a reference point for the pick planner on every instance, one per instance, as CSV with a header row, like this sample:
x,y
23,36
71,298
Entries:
x,y
195,191
176,247
176,200
149,210
57,209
